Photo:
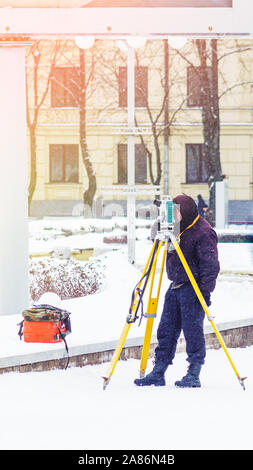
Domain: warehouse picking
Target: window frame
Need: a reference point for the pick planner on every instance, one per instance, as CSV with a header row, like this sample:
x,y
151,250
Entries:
x,y
68,101
138,155
64,149
141,99
200,164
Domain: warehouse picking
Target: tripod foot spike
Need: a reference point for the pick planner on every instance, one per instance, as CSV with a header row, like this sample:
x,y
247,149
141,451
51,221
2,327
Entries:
x,y
142,374
106,382
241,381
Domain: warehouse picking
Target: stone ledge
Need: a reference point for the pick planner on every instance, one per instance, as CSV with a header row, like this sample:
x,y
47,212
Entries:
x,y
238,333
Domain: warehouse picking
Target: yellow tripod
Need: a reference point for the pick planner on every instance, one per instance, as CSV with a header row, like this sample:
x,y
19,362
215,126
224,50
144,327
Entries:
x,y
149,275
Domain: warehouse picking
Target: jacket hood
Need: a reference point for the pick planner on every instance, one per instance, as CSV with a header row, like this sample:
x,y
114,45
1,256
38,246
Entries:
x,y
188,210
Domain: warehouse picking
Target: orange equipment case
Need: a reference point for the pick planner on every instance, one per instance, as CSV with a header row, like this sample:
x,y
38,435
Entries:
x,y
45,324
43,331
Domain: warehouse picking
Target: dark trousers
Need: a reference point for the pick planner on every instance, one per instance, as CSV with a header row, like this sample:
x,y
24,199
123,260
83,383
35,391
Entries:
x,y
181,311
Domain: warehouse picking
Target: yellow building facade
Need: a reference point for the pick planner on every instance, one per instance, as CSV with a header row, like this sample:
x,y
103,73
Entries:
x,y
58,151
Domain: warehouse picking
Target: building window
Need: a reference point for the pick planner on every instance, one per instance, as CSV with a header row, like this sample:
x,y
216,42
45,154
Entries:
x,y
65,87
64,163
140,164
194,95
141,87
195,165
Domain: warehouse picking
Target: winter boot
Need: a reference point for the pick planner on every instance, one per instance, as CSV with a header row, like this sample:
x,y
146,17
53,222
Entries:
x,y
191,379
155,377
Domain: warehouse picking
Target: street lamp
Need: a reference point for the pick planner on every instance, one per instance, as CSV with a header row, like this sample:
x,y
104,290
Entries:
x,y
126,45
84,42
131,43
175,42
122,45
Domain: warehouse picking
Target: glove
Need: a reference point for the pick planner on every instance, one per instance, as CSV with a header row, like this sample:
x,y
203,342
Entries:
x,y
207,297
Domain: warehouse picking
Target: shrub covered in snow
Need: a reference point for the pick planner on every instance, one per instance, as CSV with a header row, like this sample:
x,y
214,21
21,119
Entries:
x,y
117,236
67,278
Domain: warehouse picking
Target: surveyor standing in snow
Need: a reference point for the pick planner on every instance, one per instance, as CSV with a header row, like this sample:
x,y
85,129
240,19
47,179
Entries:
x,y
182,309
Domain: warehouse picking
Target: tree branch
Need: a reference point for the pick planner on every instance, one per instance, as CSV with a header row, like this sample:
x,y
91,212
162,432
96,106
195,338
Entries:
x,y
234,86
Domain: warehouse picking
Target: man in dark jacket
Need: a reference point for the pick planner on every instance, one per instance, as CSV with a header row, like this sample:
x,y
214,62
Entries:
x,y
182,309
202,206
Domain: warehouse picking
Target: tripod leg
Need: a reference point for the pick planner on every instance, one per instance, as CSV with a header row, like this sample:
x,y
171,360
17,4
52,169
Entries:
x,y
204,306
126,328
116,354
151,313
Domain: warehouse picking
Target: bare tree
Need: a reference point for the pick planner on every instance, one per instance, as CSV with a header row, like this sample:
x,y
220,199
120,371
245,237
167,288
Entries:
x,y
160,121
207,75
81,87
153,54
210,117
38,77
89,193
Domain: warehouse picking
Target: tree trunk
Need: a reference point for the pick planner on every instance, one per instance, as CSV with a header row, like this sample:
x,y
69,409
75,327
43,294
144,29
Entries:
x,y
89,193
33,167
158,159
210,119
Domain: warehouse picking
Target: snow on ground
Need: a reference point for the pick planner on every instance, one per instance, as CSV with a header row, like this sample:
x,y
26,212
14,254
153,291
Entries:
x,y
68,409
77,232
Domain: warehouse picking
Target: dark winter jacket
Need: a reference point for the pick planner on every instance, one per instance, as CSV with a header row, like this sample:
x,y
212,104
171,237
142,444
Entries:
x,y
199,246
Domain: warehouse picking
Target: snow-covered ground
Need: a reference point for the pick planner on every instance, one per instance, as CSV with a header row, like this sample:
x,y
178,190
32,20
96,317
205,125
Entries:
x,y
68,409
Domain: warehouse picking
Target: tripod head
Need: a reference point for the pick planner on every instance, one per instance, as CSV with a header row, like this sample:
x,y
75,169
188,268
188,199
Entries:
x,y
165,220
